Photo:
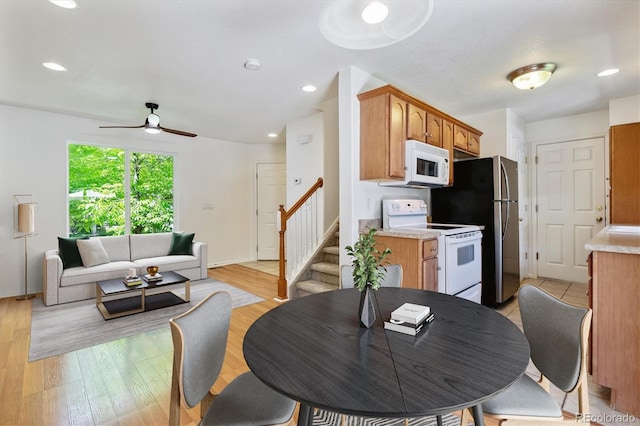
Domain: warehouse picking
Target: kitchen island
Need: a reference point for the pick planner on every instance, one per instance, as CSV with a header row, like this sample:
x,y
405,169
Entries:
x,y
614,289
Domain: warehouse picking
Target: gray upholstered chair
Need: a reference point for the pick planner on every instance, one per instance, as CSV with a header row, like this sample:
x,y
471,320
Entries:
x,y
392,278
199,343
558,336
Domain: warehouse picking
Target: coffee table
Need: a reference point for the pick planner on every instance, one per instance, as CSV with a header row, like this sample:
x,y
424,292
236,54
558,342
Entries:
x,y
149,299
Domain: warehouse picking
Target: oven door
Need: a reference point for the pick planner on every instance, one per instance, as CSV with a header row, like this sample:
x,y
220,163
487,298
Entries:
x,y
463,265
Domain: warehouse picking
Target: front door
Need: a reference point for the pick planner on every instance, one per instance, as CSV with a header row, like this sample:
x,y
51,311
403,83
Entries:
x,y
272,191
570,193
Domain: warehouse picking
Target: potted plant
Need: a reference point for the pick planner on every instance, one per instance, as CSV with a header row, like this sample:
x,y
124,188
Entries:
x,y
368,272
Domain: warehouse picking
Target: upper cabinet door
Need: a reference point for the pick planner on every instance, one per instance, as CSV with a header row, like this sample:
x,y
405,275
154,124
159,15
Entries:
x,y
434,130
417,123
397,136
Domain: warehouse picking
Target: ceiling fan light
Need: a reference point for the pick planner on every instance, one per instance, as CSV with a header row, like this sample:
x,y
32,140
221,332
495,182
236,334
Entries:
x,y
152,130
375,12
531,76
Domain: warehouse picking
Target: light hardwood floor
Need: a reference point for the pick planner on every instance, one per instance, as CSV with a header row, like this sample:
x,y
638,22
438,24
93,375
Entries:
x,y
121,382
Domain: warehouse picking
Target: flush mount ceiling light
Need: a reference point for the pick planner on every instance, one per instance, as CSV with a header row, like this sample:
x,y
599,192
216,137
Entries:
x,y
531,76
367,24
309,88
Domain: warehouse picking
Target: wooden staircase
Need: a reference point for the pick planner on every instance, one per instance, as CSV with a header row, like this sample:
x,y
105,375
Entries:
x,y
323,273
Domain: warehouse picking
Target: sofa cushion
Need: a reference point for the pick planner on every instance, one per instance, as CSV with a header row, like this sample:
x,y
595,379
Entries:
x,y
106,271
117,247
149,245
181,244
92,252
68,250
169,263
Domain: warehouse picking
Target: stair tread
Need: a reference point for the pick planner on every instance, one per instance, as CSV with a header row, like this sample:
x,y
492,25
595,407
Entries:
x,y
332,250
313,286
327,268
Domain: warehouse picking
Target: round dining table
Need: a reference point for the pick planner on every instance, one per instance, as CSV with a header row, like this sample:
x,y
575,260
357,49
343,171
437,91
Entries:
x,y
313,350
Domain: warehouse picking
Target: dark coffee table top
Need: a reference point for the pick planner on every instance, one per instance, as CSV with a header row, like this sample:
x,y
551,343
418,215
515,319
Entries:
x,y
118,286
313,350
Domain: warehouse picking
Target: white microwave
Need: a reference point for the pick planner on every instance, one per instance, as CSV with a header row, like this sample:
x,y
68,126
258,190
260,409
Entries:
x,y
425,166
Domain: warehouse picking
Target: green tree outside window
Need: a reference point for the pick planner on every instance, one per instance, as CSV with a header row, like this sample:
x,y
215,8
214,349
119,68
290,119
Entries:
x,y
97,196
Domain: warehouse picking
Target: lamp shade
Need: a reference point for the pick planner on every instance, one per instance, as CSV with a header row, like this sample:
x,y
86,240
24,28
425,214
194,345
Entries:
x,y
27,218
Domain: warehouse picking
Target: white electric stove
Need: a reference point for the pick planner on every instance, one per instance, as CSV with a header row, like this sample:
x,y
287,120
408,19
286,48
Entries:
x,y
459,246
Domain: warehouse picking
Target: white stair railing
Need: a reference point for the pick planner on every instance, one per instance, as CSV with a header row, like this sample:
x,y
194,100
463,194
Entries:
x,y
302,218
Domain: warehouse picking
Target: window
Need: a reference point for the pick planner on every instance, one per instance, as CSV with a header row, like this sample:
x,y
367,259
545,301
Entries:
x,y
113,191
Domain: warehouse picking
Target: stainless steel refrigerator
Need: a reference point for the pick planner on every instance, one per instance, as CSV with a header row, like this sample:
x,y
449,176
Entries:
x,y
485,192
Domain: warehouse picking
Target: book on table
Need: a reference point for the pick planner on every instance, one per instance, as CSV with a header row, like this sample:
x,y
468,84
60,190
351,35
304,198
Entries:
x,y
411,313
131,281
152,278
407,327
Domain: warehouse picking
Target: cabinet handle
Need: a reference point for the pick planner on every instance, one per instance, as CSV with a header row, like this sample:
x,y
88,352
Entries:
x,y
434,249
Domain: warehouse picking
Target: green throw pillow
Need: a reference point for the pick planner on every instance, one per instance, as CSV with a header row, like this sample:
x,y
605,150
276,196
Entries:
x,y
68,250
181,244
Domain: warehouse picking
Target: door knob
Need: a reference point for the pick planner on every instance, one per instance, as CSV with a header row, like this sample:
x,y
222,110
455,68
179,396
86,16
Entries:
x,y
599,219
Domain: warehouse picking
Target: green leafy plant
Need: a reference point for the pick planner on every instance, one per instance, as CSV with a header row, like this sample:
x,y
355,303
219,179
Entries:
x,y
367,261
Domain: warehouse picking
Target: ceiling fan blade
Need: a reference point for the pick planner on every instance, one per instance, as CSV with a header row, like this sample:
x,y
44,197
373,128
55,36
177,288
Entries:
x,y
178,132
121,127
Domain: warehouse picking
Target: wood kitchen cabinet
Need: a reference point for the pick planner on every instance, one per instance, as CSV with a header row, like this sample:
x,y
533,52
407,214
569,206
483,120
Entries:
x,y
624,158
418,260
384,120
389,117
466,140
615,333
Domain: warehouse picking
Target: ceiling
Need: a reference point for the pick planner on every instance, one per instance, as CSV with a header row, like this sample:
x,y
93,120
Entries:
x,y
188,57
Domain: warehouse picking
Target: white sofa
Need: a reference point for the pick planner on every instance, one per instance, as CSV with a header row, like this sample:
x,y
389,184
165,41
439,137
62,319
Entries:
x,y
128,251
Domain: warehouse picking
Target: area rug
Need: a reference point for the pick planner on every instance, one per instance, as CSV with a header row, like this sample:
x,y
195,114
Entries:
x,y
72,326
326,418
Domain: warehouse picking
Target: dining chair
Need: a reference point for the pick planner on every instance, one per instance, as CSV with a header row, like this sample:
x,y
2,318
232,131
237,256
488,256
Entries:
x,y
392,278
558,337
199,344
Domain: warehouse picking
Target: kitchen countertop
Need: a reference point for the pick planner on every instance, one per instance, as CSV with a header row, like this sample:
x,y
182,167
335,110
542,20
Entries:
x,y
616,242
365,224
407,233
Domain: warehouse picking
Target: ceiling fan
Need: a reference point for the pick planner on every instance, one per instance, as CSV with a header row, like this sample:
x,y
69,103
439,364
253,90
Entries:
x,y
152,124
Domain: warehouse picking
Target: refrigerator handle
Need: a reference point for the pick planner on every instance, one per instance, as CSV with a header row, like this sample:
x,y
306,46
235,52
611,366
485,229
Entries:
x,y
506,184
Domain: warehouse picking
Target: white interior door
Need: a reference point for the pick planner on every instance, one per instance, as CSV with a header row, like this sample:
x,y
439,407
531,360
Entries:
x,y
272,191
570,193
523,205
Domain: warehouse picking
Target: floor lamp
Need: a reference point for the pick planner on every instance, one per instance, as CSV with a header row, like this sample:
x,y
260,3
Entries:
x,y
25,224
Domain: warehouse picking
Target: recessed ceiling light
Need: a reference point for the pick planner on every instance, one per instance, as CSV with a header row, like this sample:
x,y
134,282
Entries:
x,y
309,88
67,4
375,12
252,64
273,135
54,66
610,71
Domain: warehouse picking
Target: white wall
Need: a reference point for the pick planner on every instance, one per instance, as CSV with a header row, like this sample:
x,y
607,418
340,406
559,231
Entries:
x,y
573,127
358,199
33,160
493,126
331,162
624,110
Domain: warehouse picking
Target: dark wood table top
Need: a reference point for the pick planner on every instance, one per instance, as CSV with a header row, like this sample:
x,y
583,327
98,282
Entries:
x,y
117,285
313,350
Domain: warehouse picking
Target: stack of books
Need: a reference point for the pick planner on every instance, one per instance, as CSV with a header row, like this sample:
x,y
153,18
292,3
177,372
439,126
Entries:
x,y
409,319
152,278
131,281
